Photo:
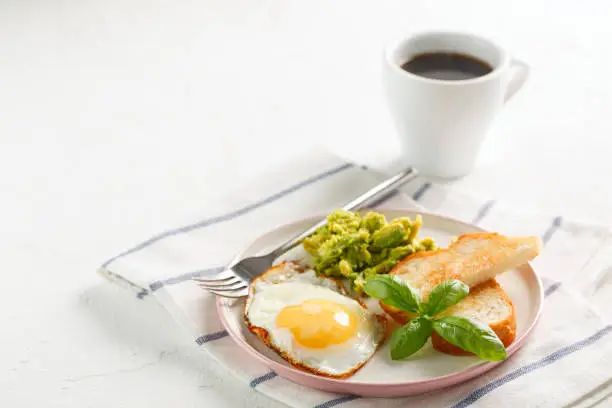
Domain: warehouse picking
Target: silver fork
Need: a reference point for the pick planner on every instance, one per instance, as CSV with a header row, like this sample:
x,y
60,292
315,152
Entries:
x,y
233,282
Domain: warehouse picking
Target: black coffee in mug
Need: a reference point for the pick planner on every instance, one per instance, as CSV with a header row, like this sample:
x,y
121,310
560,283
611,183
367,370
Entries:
x,y
446,66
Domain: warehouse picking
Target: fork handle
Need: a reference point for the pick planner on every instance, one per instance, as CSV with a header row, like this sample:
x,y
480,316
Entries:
x,y
377,192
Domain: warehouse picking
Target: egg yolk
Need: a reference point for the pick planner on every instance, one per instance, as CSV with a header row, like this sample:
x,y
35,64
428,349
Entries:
x,y
318,323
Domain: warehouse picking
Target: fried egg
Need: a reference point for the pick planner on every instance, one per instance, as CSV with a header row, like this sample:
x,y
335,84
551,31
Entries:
x,y
311,322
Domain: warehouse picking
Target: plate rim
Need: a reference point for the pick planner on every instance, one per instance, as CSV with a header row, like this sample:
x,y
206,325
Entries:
x,y
448,379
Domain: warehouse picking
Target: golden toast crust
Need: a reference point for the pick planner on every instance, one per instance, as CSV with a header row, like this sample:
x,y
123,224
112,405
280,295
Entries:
x,y
505,329
461,261
468,259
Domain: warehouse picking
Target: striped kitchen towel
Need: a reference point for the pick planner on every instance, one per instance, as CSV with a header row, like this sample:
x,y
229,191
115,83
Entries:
x,y
567,362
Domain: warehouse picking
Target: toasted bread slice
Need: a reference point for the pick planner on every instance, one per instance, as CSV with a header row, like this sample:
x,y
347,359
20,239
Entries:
x,y
486,303
472,259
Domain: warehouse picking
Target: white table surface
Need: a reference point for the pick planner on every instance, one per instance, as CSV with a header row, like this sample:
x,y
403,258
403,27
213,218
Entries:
x,y
112,112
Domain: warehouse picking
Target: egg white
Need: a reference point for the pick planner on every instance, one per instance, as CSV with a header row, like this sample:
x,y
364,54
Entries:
x,y
287,286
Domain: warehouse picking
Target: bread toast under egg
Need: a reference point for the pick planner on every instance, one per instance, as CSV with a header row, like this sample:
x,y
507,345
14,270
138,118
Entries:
x,y
487,303
473,259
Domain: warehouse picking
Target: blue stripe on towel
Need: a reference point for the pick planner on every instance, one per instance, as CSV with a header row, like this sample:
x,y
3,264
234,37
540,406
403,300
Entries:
x,y
211,337
422,190
231,215
552,229
337,401
483,211
552,289
256,381
156,285
526,369
142,294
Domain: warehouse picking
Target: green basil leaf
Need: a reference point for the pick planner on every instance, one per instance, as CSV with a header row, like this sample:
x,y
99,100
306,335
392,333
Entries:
x,y
471,336
393,291
409,338
443,296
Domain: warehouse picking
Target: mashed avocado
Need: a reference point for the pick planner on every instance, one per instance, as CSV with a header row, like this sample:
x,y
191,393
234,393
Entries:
x,y
360,247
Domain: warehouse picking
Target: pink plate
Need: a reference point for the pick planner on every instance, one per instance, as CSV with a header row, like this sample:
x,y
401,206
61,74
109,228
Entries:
x,y
425,371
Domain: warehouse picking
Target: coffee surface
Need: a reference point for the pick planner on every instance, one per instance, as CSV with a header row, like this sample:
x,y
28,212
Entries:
x,y
446,66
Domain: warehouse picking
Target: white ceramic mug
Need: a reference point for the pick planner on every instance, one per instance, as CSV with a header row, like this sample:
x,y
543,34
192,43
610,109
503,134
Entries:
x,y
442,123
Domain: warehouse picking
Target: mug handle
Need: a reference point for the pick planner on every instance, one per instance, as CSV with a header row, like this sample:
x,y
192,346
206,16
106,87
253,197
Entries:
x,y
520,71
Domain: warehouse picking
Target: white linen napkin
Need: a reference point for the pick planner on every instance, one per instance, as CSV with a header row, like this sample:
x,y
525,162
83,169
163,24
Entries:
x,y
567,361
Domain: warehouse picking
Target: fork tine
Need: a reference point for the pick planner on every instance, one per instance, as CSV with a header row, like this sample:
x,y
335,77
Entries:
x,y
220,283
221,286
213,280
241,293
230,290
